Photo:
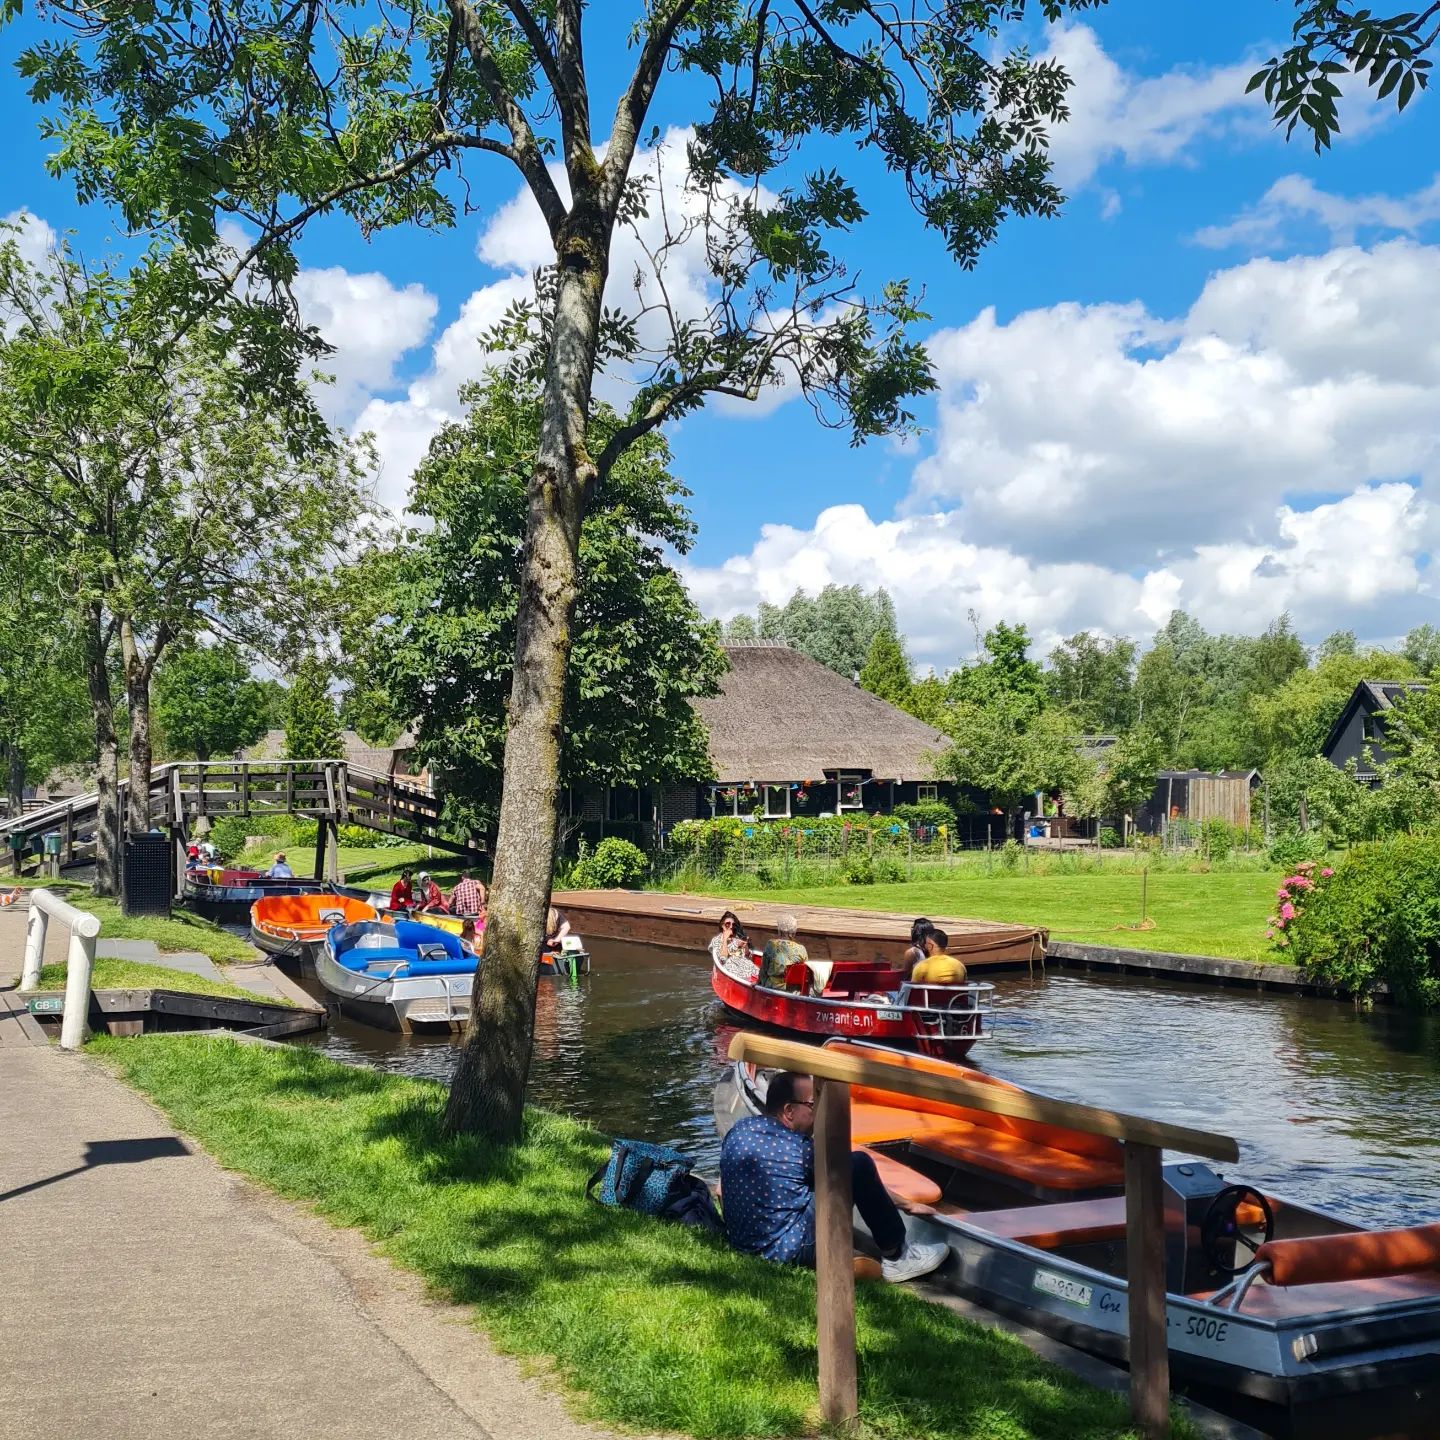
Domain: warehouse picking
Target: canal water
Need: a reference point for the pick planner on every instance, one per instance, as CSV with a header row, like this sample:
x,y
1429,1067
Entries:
x,y
1330,1104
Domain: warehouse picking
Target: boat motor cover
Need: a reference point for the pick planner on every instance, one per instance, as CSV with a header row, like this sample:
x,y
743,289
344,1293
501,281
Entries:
x,y
1358,1255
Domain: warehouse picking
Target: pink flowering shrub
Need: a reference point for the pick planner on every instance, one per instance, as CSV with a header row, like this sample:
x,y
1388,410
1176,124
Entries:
x,y
1371,919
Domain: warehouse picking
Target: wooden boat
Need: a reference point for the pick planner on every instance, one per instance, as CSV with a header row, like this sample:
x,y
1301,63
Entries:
x,y
861,1000
1296,1319
398,975
295,924
219,887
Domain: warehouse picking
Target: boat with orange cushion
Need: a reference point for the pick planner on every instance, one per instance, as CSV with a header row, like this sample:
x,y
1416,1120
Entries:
x,y
295,924
1295,1319
859,1000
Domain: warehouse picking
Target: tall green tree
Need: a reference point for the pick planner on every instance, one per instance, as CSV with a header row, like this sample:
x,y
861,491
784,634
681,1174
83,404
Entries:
x,y
433,616
1005,676
172,487
1422,649
1093,677
886,671
207,702
837,627
168,112
1293,721
1009,751
312,722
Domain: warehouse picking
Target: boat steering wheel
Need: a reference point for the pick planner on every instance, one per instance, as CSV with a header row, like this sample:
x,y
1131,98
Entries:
x,y
1221,1227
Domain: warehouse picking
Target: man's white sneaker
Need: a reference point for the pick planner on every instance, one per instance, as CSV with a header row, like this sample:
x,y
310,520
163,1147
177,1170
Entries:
x,y
914,1261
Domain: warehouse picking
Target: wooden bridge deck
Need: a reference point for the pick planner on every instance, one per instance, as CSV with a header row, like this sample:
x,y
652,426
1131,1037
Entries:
x,y
182,792
687,922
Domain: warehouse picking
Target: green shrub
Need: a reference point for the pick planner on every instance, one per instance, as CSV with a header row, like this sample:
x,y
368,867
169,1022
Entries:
x,y
1373,919
858,869
228,834
889,870
930,813
1217,838
1288,851
1109,838
1011,853
612,865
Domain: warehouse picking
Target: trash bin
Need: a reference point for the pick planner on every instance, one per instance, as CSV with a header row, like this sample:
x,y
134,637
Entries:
x,y
52,843
147,882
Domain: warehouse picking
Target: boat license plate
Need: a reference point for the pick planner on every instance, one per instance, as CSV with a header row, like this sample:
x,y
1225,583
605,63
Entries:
x,y
1062,1288
889,1015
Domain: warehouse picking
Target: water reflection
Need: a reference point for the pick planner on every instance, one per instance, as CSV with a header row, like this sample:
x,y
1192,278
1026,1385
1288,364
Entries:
x,y
1329,1103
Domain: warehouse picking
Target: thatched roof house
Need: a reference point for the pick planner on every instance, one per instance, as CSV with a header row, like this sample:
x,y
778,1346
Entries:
x,y
781,716
360,753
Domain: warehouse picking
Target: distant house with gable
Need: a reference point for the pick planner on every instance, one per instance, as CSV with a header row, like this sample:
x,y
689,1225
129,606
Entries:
x,y
1360,726
359,753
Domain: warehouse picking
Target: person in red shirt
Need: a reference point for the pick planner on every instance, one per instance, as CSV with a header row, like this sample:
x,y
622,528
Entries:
x,y
431,897
402,893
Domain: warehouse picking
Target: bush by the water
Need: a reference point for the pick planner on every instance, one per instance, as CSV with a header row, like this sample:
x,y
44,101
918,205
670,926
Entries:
x,y
1373,919
613,864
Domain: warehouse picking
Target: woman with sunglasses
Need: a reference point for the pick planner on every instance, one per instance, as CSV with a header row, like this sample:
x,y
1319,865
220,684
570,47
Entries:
x,y
731,947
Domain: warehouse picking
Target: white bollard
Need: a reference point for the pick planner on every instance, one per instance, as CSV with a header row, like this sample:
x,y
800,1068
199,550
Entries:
x,y
35,928
74,1026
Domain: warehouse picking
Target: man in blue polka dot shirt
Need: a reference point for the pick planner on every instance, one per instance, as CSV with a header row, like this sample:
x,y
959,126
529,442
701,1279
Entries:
x,y
767,1179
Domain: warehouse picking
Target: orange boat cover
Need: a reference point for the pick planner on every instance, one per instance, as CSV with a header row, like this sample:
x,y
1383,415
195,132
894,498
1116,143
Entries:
x,y
1361,1255
302,912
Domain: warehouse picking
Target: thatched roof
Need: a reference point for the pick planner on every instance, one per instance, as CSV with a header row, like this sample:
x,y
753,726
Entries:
x,y
781,716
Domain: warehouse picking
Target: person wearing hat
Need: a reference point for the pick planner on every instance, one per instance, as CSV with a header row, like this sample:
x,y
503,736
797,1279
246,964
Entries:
x,y
280,870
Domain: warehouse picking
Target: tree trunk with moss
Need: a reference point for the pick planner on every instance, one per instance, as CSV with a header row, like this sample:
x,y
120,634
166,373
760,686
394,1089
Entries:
x,y
107,754
488,1092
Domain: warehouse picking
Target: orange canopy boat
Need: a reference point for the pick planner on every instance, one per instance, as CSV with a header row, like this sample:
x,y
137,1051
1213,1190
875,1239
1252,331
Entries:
x,y
280,923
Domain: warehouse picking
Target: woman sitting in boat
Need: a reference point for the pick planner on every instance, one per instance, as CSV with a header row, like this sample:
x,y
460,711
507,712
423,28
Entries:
x,y
557,927
430,896
915,951
780,953
732,943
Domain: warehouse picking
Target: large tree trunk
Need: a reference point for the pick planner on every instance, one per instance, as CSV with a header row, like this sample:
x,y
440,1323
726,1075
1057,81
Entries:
x,y
137,698
487,1095
107,755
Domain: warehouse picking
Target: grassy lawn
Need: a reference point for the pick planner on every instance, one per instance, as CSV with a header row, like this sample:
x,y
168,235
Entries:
x,y
647,1325
112,974
182,931
1221,913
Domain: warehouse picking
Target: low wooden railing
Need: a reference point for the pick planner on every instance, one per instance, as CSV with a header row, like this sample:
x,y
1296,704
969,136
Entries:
x,y
1143,1139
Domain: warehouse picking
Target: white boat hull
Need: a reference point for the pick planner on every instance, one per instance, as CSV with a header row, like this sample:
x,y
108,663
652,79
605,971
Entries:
x,y
397,1001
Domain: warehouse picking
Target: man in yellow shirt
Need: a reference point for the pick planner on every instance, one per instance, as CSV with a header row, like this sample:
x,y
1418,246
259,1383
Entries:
x,y
937,968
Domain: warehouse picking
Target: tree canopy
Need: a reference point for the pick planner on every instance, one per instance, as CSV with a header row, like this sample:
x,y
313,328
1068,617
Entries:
x,y
431,622
207,702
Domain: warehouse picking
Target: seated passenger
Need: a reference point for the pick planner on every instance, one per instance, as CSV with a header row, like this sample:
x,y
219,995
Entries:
x,y
767,1182
430,896
280,870
731,945
915,951
557,927
468,896
402,894
470,942
784,950
938,968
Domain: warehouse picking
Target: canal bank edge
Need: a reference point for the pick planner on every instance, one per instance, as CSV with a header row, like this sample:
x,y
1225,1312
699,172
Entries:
x,y
686,922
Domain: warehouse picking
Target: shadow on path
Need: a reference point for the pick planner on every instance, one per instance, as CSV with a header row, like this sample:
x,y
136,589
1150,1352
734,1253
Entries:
x,y
109,1152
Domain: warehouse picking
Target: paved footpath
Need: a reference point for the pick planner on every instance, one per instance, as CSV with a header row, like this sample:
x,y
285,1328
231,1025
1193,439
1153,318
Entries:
x,y
146,1292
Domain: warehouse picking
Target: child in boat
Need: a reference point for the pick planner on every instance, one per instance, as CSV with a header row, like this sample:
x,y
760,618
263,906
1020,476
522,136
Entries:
x,y
780,953
470,942
938,968
767,1177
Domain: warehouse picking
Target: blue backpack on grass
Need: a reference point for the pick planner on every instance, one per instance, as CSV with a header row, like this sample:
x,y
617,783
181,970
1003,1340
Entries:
x,y
655,1180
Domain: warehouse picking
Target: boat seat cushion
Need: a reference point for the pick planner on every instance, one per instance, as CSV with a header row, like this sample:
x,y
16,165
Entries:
x,y
1016,1158
1051,1227
906,1187
1358,1255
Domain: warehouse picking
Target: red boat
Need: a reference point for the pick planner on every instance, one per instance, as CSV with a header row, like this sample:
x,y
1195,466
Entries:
x,y
861,1001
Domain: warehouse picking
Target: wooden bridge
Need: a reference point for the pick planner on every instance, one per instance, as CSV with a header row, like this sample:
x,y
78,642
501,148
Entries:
x,y
333,792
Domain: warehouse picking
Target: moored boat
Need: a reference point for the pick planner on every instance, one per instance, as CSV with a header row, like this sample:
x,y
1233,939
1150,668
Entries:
x,y
1300,1320
567,957
296,924
398,975
217,887
863,1001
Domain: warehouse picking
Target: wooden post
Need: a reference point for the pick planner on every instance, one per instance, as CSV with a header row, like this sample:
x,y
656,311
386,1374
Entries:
x,y
835,1256
244,787
322,835
332,863
289,789
70,834
1145,1241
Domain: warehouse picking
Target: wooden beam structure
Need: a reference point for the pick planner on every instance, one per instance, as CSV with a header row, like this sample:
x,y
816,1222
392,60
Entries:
x,y
1143,1139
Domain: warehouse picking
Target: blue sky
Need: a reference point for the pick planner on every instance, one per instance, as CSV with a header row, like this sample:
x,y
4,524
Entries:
x,y
1212,382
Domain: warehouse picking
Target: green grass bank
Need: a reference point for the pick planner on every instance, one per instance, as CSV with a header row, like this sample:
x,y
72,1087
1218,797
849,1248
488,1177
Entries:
x,y
1220,913
114,974
646,1325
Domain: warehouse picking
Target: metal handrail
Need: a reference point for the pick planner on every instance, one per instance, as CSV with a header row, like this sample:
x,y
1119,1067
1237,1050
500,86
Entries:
x,y
80,961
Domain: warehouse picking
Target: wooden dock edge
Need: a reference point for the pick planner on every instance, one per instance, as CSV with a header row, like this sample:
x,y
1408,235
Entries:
x,y
123,1012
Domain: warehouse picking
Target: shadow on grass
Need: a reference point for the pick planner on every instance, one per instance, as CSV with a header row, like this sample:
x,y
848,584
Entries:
x,y
657,1326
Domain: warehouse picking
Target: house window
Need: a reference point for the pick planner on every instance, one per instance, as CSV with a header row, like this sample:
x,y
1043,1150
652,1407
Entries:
x,y
927,793
1373,729
852,792
624,803
777,802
